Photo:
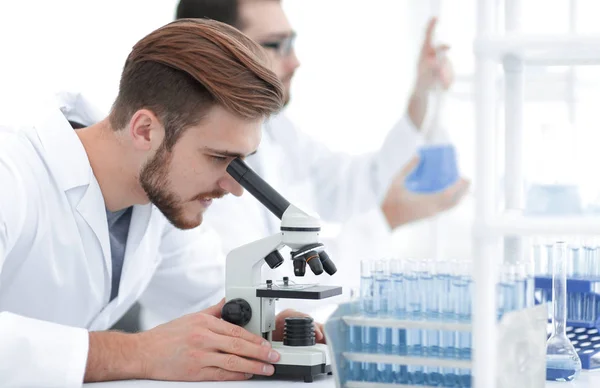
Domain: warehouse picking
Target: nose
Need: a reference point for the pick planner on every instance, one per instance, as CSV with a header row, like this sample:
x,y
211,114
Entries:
x,y
230,185
292,61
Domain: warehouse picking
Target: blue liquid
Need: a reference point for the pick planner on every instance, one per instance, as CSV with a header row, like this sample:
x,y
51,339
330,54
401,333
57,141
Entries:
x,y
413,336
462,308
355,341
561,368
369,334
508,298
383,308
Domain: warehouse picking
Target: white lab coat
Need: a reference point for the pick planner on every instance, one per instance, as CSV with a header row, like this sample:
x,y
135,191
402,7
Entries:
x,y
55,265
341,188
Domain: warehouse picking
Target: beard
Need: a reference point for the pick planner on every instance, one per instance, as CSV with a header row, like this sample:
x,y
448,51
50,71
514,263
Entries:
x,y
154,179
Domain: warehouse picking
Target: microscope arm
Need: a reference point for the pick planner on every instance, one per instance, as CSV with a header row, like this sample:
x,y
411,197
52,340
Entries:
x,y
244,263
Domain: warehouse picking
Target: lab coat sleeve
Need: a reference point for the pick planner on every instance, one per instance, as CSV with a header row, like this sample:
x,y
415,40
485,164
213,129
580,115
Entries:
x,y
345,185
190,276
33,353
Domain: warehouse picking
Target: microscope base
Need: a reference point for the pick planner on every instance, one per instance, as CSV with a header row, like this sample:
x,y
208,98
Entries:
x,y
302,361
306,372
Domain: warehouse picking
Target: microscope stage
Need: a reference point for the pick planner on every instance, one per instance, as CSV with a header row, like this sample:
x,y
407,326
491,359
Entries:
x,y
312,292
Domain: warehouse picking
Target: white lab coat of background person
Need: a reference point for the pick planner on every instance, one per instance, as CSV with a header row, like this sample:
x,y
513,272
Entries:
x,y
343,189
55,265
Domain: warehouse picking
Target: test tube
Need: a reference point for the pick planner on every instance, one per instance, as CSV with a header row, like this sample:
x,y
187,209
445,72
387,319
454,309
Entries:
x,y
412,297
461,283
369,334
506,289
429,312
575,264
548,257
529,283
537,258
355,345
382,306
446,314
588,261
399,335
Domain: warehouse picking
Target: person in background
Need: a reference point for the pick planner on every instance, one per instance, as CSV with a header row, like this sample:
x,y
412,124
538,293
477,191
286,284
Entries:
x,y
363,193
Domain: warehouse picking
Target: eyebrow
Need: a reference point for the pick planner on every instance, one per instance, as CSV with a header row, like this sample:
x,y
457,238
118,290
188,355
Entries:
x,y
227,153
279,36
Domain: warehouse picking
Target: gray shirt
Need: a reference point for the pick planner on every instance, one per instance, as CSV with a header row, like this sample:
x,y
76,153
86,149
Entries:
x,y
118,229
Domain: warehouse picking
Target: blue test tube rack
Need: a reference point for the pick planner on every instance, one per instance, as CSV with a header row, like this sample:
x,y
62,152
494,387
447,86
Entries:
x,y
583,315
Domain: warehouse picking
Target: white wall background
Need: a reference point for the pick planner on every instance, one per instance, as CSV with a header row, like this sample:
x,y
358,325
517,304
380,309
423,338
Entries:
x,y
358,60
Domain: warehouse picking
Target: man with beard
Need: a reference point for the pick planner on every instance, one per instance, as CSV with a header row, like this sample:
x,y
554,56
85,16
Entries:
x,y
90,218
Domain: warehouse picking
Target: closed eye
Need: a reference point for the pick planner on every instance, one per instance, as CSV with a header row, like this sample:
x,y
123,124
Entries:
x,y
219,159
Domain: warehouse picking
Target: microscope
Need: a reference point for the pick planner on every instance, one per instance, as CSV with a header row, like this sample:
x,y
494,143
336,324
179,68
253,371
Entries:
x,y
250,303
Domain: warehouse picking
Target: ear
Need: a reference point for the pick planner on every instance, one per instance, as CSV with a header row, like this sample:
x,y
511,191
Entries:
x,y
146,130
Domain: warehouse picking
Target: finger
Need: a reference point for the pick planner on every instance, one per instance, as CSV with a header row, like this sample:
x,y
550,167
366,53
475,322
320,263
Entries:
x,y
234,363
409,167
429,32
212,373
240,347
319,333
455,193
442,48
228,329
215,310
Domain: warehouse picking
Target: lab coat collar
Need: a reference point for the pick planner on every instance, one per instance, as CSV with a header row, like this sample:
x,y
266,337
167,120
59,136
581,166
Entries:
x,y
64,151
70,166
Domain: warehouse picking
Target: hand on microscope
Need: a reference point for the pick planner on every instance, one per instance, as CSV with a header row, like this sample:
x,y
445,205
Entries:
x,y
202,347
400,206
280,324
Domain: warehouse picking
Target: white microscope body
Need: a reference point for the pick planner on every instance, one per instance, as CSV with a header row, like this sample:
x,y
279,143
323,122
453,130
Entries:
x,y
251,302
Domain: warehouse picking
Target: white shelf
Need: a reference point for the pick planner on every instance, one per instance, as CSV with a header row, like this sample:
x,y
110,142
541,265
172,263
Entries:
x,y
519,225
359,320
564,49
407,360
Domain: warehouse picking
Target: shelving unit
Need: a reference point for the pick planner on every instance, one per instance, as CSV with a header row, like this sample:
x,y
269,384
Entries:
x,y
513,50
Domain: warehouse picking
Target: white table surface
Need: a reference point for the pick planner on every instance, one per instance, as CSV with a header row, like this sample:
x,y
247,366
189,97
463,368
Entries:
x,y
585,380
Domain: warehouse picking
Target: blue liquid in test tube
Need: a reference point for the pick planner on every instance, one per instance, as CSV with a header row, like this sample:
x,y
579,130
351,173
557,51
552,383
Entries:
x,y
368,334
507,290
461,284
447,314
412,297
354,369
429,311
399,335
382,296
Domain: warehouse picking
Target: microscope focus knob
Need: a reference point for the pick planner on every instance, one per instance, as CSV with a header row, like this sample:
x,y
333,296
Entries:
x,y
237,311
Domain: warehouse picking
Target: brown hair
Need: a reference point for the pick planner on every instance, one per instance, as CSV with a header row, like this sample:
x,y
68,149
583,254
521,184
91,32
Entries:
x,y
183,69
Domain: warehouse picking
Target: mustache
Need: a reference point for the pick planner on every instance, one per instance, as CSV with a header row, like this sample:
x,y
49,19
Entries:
x,y
215,194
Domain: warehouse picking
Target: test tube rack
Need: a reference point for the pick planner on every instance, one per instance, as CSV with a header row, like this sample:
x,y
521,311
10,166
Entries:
x,y
583,315
521,340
